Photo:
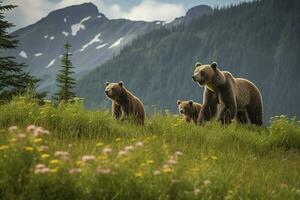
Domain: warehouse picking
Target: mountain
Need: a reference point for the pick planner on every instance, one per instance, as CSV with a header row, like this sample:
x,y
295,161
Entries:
x,y
94,39
257,40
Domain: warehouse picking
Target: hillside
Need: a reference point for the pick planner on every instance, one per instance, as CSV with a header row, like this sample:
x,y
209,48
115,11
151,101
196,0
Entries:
x,y
79,154
94,39
258,41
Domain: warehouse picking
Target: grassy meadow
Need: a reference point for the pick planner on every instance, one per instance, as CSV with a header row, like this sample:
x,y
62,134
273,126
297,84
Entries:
x,y
67,152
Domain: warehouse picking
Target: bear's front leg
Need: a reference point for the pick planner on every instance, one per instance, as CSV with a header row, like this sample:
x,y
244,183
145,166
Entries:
x,y
116,110
227,113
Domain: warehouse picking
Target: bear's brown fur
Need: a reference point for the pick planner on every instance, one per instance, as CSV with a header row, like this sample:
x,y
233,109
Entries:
x,y
238,98
124,103
189,109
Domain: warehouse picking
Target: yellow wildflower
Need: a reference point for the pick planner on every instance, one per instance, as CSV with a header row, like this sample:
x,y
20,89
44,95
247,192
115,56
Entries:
x,y
214,157
13,140
168,170
118,139
99,144
37,140
55,161
150,161
138,174
29,148
2,147
54,170
45,156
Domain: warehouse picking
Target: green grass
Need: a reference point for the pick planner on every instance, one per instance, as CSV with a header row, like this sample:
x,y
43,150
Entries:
x,y
217,162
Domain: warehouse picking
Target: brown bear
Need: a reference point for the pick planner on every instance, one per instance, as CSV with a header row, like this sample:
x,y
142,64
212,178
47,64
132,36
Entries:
x,y
189,109
124,103
238,98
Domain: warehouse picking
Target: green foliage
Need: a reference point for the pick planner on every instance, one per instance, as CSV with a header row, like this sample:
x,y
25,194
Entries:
x,y
165,159
65,81
13,79
256,40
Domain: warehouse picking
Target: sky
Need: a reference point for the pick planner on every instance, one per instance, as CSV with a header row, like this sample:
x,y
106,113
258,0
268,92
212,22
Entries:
x,y
30,11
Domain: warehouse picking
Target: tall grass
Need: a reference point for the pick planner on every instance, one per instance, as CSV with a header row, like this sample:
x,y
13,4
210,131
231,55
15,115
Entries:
x,y
165,159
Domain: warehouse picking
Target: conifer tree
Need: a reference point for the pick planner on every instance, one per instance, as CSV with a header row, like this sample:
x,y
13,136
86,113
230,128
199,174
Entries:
x,y
13,79
65,81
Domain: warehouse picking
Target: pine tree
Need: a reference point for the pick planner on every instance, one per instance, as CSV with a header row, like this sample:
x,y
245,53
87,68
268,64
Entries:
x,y
66,83
13,79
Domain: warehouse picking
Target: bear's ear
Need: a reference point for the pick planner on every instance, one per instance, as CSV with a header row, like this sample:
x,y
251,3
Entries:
x,y
197,64
214,65
178,102
107,83
191,102
121,83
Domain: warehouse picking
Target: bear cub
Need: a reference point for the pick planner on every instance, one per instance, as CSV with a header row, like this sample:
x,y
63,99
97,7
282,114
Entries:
x,y
189,109
124,103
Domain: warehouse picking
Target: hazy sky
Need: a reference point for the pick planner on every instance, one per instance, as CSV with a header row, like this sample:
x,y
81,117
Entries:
x,y
30,11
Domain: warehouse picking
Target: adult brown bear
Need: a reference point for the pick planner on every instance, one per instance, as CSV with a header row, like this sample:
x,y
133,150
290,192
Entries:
x,y
124,103
238,98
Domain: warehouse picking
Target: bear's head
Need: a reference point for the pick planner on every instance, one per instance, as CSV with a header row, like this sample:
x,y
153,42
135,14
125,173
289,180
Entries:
x,y
114,90
204,74
185,107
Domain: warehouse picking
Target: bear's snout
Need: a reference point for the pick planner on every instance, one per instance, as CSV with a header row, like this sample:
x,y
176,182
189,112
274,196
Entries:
x,y
181,111
194,78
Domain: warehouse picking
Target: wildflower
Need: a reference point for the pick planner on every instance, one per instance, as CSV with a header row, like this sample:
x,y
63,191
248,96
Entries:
x,y
40,131
40,166
172,161
197,191
168,170
3,147
178,153
42,148
150,161
74,171
132,140
207,182
138,174
29,148
128,148
37,140
42,171
12,129
55,170
139,144
103,170
21,136
107,150
156,172
214,157
87,158
99,144
70,145
118,139
123,153
45,156
61,153
13,140
55,161
30,128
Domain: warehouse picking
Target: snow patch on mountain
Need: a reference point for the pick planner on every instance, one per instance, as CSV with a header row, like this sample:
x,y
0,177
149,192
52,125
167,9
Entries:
x,y
101,46
51,63
52,38
65,33
94,40
38,54
23,54
117,43
65,20
46,36
77,27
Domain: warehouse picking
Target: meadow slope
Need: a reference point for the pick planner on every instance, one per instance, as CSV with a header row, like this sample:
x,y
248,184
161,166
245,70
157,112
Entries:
x,y
80,154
